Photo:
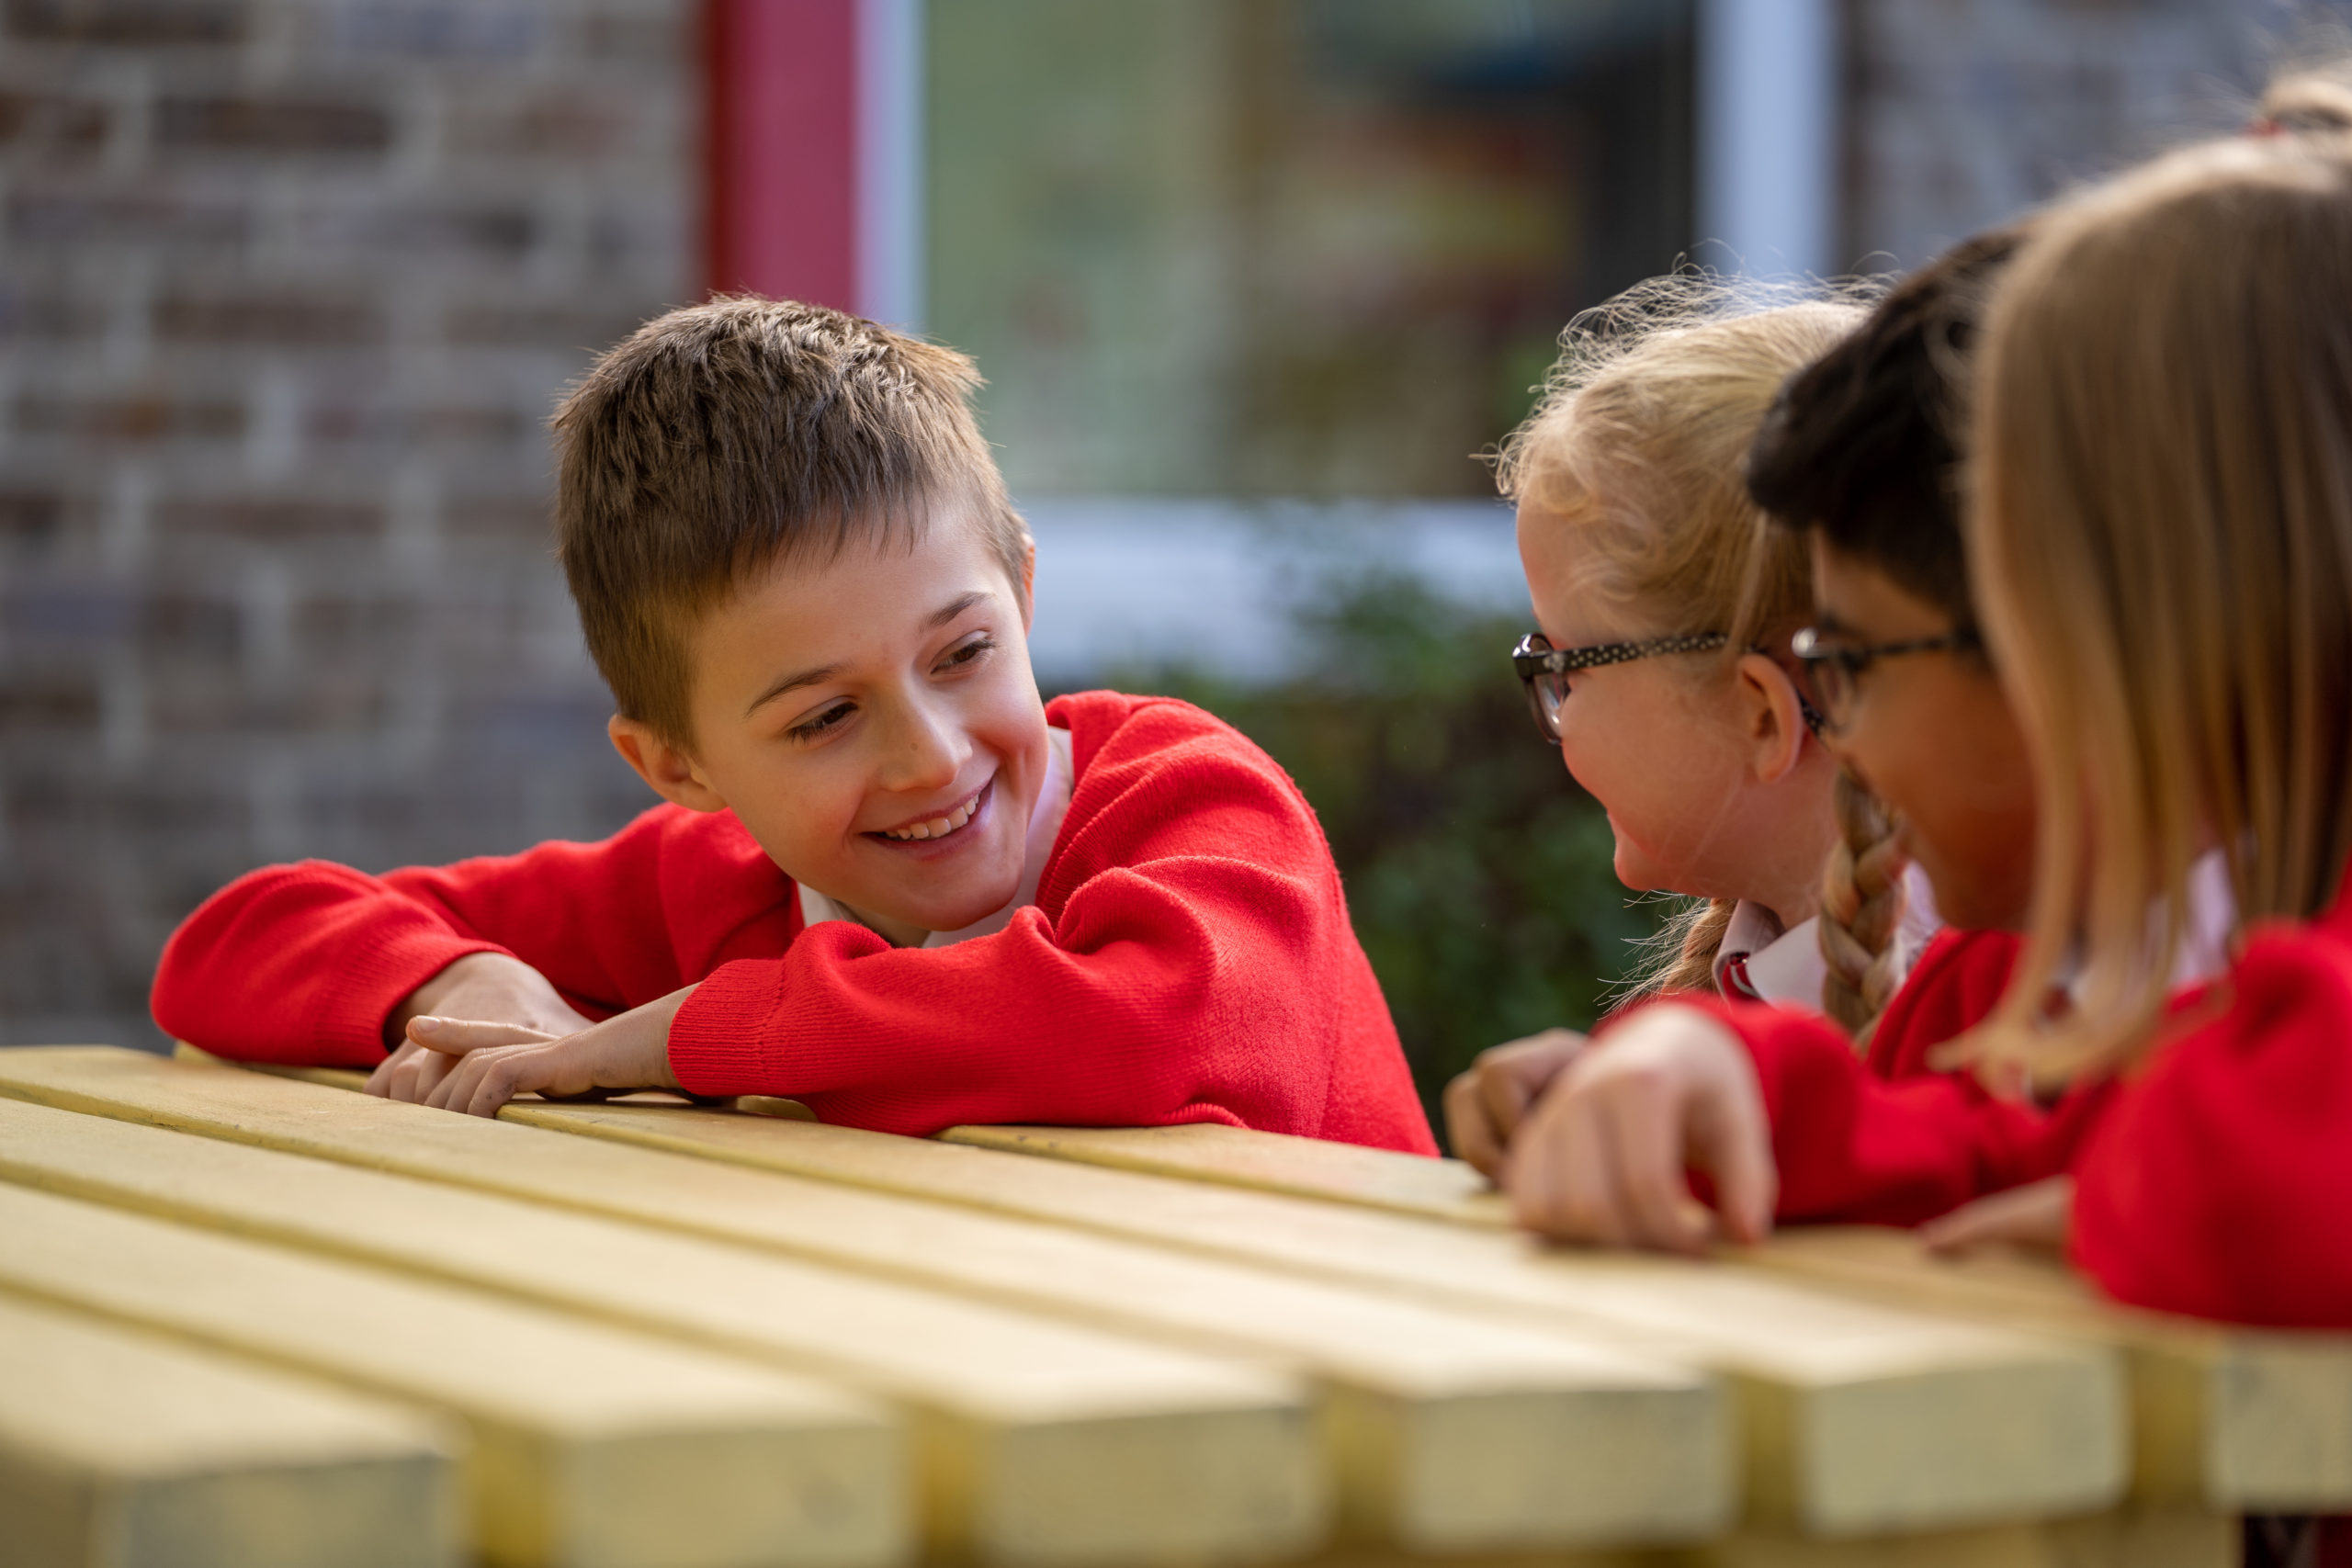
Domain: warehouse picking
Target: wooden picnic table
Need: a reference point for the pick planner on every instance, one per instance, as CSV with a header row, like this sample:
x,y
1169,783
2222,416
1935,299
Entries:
x,y
247,1318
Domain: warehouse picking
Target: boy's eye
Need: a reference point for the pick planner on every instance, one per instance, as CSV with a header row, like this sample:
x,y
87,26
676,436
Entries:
x,y
965,653
831,718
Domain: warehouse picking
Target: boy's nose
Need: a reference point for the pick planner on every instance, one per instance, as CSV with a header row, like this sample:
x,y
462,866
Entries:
x,y
927,748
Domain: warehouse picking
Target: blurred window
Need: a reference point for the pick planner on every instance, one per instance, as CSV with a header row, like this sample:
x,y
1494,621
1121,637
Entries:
x,y
1288,247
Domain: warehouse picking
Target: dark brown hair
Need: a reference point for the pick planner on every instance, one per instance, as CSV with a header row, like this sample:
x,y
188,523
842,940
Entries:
x,y
725,439
1864,443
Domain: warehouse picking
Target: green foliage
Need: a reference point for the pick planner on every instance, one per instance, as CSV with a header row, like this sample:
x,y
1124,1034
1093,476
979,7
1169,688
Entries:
x,y
1477,872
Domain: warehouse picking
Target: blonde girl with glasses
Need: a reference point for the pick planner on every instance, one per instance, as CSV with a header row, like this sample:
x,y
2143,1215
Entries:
x,y
1665,603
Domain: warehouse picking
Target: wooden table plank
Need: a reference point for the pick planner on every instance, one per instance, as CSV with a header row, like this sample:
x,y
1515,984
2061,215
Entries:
x,y
587,1447
1861,1420
121,1450
1044,1442
1453,1431
2230,1420
2114,1540
2234,1419
1264,1162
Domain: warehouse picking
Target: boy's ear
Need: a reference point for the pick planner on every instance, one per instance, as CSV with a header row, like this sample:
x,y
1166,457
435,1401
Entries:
x,y
1774,717
674,775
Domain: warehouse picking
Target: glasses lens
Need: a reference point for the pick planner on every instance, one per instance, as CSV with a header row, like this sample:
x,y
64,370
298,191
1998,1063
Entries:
x,y
1549,691
1832,686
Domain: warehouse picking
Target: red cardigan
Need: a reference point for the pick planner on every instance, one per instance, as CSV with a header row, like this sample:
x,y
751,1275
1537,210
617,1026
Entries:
x,y
1189,959
2215,1180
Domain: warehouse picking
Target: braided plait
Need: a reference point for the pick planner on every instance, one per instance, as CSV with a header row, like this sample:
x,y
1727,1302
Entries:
x,y
1681,956
1862,906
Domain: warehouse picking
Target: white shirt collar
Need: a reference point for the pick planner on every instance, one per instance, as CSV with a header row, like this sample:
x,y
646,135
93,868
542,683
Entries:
x,y
2204,951
1782,965
1045,827
1787,965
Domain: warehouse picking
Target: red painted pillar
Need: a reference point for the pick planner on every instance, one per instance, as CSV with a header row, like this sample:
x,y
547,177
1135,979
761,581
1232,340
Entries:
x,y
780,149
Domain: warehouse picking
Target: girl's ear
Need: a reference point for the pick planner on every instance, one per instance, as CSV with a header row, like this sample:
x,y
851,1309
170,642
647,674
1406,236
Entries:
x,y
1773,718
674,777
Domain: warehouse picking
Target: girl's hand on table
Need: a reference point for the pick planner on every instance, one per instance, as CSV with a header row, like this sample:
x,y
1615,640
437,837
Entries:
x,y
2038,1214
1485,1104
486,987
1601,1157
489,1064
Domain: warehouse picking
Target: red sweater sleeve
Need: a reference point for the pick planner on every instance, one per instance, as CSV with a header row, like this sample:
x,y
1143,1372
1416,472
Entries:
x,y
2221,1184
1889,1140
1189,958
304,963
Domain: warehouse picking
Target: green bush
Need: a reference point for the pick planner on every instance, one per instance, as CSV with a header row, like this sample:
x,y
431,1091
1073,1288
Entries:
x,y
1477,872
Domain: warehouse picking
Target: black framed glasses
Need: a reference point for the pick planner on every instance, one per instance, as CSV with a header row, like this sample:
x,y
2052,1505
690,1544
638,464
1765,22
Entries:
x,y
1836,668
1545,669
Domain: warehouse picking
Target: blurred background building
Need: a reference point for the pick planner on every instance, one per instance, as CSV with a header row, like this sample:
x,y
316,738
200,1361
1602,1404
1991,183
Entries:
x,y
288,288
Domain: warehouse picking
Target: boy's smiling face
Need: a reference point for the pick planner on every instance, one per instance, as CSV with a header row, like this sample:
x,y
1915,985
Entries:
x,y
874,722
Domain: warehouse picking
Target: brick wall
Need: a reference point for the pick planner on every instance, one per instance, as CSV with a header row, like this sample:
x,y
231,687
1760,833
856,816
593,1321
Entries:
x,y
286,287
286,291
1960,112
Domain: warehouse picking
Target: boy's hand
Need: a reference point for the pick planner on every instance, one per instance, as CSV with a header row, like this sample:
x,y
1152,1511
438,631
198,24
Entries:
x,y
2038,1214
493,1063
1602,1157
1484,1105
487,987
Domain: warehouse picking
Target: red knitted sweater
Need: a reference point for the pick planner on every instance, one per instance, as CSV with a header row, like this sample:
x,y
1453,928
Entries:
x,y
2215,1180
1189,959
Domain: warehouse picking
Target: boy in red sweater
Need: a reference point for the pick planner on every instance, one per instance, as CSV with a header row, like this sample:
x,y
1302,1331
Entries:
x,y
889,882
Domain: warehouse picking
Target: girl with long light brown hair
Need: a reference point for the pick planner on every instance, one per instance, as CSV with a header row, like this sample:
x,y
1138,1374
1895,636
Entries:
x,y
2164,536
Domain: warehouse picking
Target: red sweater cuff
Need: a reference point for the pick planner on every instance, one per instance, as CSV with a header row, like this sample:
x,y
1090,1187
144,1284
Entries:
x,y
720,1040
1782,1042
352,1003
1791,1047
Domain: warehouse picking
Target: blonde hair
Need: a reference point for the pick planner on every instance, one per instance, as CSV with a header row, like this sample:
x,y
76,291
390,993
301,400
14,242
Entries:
x,y
2313,98
2162,532
1640,438
1861,906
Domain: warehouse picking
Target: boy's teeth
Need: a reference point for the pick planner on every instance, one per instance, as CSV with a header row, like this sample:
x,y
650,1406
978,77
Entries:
x,y
938,826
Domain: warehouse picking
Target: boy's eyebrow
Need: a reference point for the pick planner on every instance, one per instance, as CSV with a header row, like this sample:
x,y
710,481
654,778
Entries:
x,y
938,618
805,678
953,609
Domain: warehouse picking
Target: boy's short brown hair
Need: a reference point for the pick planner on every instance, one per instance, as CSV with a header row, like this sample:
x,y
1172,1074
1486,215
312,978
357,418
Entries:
x,y
721,439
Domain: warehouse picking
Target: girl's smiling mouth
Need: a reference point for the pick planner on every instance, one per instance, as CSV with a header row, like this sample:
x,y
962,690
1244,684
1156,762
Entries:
x,y
939,825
